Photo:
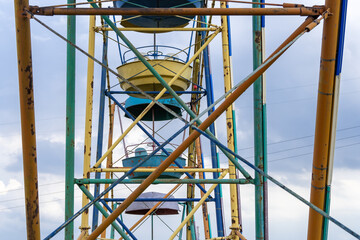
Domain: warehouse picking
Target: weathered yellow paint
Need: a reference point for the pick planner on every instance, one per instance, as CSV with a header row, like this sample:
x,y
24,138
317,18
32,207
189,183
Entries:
x,y
88,125
137,74
26,93
229,122
324,119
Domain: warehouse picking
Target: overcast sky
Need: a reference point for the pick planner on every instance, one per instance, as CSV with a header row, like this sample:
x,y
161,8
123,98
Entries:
x,y
291,101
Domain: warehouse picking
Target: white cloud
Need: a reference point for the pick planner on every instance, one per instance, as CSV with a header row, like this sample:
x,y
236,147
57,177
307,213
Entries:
x,y
12,185
10,148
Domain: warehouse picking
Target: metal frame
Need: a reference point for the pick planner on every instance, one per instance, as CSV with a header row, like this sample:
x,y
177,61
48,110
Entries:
x,y
332,45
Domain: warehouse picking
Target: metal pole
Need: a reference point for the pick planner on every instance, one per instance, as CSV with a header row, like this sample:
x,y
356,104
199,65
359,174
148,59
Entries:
x,y
214,156
229,120
340,49
166,181
301,11
325,127
26,93
202,176
190,223
152,227
259,122
100,125
157,30
70,123
151,169
109,158
234,123
192,148
112,232
190,194
88,124
182,219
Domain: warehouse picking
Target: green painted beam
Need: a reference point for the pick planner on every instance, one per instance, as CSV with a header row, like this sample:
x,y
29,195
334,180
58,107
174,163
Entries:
x,y
70,124
259,128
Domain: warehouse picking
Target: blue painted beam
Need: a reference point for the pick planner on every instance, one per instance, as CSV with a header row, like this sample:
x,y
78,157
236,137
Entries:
x,y
158,199
100,126
213,150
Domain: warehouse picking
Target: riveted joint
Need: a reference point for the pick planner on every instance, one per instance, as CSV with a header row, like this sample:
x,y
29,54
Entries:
x,y
316,22
48,11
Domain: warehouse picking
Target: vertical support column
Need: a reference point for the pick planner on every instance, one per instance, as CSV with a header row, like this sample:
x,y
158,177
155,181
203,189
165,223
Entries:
x,y
202,176
326,115
190,192
70,124
213,149
100,126
338,66
193,148
109,161
26,93
88,124
234,126
260,127
229,121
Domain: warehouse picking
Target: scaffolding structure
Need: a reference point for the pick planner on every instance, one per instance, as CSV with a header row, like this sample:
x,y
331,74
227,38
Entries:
x,y
155,81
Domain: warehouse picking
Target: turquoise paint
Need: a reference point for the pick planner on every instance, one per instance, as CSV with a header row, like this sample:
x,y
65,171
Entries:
x,y
70,124
259,133
327,210
154,161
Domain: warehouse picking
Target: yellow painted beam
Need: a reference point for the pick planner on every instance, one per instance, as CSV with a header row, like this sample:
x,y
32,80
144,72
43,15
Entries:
x,y
229,121
152,30
88,124
26,94
325,118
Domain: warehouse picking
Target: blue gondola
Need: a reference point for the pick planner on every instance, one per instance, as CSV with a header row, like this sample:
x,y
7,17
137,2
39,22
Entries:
x,y
154,161
135,106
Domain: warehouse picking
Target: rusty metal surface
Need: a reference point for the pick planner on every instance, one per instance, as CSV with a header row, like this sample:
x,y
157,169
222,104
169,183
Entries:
x,y
302,11
324,115
26,93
